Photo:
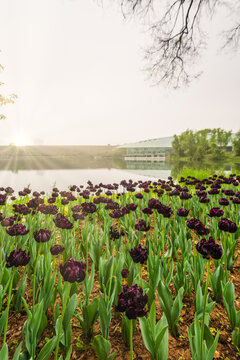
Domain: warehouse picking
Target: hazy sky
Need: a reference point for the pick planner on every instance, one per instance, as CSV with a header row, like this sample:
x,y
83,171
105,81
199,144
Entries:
x,y
76,68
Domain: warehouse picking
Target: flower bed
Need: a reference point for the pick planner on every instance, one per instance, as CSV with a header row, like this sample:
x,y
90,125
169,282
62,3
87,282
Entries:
x,y
144,270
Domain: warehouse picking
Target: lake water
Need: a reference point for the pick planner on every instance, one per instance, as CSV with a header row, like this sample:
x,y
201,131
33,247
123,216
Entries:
x,y
42,172
21,174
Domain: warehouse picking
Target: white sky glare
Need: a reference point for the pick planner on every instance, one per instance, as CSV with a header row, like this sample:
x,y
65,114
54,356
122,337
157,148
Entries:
x,y
76,68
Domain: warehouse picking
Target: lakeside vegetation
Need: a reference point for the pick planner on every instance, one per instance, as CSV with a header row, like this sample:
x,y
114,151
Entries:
x,y
204,144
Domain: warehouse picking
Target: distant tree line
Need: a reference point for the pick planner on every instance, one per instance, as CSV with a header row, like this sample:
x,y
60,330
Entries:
x,y
214,143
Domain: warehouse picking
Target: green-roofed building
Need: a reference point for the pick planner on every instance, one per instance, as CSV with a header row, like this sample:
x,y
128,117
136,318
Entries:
x,y
148,150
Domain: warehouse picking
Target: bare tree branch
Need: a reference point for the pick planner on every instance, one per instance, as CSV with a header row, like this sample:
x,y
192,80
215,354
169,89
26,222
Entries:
x,y
177,36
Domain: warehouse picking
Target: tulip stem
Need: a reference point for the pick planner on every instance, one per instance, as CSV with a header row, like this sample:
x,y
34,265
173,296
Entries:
x,y
131,340
141,275
195,265
8,305
111,274
61,320
163,242
225,258
34,278
2,241
204,307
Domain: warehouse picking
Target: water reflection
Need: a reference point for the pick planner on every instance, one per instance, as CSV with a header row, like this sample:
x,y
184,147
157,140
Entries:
x,y
42,172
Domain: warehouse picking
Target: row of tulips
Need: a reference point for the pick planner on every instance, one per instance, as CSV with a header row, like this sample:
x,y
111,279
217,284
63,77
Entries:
x,y
106,237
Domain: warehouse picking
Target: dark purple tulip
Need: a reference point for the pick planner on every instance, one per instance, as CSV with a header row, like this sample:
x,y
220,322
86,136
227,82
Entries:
x,y
65,193
132,301
131,206
27,191
56,249
141,225
36,194
17,258
175,192
116,214
79,216
43,235
166,211
51,200
17,229
138,196
85,194
185,196
182,212
2,199
215,212
201,193
10,221
76,208
73,271
100,200
197,225
21,209
116,233
191,224
62,222
48,209
236,200
112,205
125,273
35,202
213,191
201,229
202,248
154,203
147,211
89,207
64,201
229,192
216,251
227,225
9,190
139,254
71,197
209,248
223,201
204,200
125,210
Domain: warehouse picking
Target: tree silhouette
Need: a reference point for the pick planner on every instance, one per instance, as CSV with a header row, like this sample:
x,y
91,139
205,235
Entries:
x,y
178,36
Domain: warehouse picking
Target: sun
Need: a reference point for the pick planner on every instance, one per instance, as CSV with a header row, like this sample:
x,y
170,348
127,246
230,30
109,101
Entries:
x,y
20,140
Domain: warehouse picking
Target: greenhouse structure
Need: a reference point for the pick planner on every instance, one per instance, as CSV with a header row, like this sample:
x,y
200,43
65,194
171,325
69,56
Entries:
x,y
148,150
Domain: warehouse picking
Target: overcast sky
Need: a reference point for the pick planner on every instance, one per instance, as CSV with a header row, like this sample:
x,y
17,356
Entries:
x,y
77,66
